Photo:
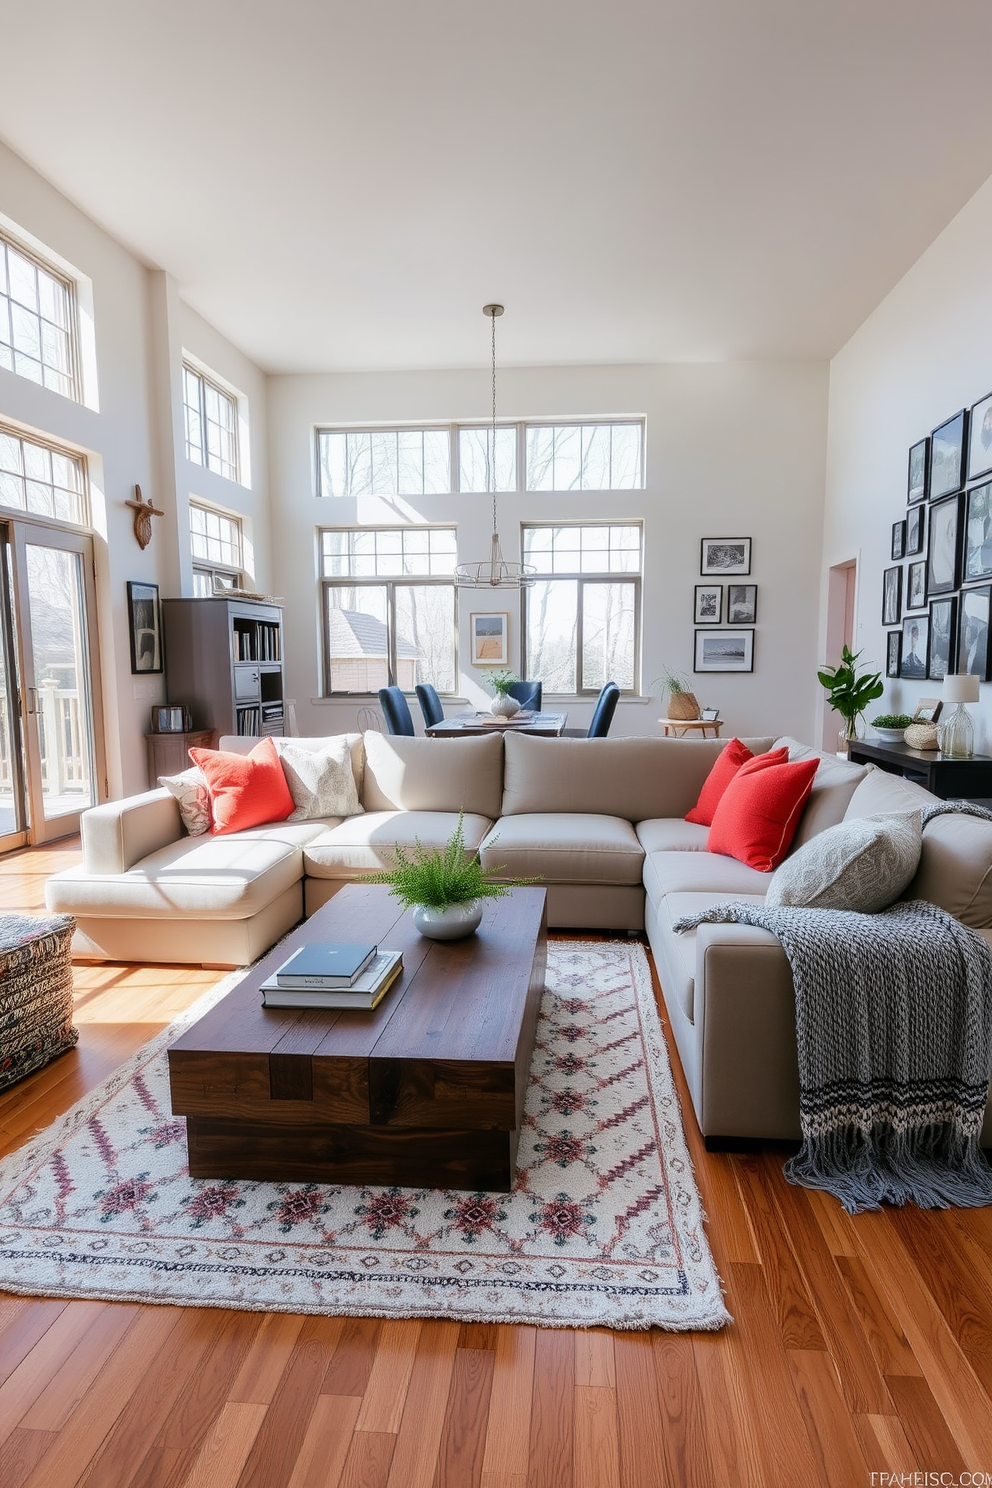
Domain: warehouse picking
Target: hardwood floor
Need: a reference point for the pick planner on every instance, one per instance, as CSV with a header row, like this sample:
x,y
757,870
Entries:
x,y
859,1346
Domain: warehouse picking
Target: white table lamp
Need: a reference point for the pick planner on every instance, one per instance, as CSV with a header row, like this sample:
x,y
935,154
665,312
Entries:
x,y
957,732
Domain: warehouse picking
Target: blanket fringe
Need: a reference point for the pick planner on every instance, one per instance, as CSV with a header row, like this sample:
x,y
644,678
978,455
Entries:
x,y
935,1167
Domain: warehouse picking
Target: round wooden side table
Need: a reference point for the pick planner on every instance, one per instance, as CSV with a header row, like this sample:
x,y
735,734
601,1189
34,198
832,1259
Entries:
x,y
677,728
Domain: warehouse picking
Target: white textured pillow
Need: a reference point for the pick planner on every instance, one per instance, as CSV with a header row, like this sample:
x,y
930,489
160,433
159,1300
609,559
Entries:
x,y
321,781
191,791
862,864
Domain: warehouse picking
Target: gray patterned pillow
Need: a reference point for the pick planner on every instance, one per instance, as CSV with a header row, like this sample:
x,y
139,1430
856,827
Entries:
x,y
191,791
862,864
321,781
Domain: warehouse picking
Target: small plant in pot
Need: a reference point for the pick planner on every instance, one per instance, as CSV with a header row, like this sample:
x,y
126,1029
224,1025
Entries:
x,y
891,726
849,691
681,699
504,704
444,886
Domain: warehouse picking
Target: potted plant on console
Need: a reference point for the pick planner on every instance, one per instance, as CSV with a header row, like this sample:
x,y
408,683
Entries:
x,y
850,692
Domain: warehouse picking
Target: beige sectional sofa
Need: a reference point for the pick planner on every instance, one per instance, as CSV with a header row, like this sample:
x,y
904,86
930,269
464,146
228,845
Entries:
x,y
599,821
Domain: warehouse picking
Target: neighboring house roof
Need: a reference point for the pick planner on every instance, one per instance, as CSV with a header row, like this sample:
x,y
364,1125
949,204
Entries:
x,y
354,633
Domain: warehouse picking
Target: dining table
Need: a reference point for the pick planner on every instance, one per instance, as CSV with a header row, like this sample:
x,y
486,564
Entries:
x,y
463,725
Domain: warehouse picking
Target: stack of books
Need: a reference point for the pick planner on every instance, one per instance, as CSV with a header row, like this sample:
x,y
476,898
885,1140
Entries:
x,y
333,975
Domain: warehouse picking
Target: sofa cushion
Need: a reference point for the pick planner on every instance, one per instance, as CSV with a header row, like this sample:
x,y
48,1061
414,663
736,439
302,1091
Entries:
x,y
365,844
678,952
757,817
404,774
245,790
578,848
241,744
955,870
728,762
834,784
192,795
321,781
701,873
671,834
863,864
881,792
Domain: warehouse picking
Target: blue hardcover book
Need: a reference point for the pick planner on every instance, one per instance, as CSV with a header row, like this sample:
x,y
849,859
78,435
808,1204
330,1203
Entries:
x,y
328,964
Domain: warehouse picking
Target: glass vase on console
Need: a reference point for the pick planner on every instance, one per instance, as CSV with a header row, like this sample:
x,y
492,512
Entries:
x,y
956,731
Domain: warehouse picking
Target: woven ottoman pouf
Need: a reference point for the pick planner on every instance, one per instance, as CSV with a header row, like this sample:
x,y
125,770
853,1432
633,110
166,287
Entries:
x,y
35,993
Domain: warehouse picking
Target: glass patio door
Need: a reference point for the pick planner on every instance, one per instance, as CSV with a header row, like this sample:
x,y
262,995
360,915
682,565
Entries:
x,y
13,804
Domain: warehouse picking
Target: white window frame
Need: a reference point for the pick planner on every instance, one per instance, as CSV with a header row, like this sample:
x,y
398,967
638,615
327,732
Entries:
x,y
230,470
10,241
51,447
215,568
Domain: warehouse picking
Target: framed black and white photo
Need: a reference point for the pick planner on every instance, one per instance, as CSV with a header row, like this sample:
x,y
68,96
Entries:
x,y
980,438
943,637
742,604
725,555
916,585
919,471
145,621
489,643
944,554
916,526
709,604
973,631
898,539
893,653
892,596
978,534
915,639
724,651
947,454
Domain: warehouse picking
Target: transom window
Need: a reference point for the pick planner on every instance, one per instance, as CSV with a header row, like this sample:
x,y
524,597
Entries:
x,y
585,457
582,617
43,479
384,462
388,608
217,547
37,321
211,424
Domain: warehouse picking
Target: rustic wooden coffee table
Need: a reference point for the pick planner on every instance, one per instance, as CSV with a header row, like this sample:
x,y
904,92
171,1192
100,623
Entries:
x,y
425,1091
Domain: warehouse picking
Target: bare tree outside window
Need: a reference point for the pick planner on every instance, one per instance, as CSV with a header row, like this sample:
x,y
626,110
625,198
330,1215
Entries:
x,y
582,624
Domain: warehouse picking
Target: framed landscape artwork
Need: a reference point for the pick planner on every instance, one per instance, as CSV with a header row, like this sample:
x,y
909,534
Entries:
x,y
973,631
978,534
916,585
919,471
947,457
709,604
915,639
980,438
489,638
943,637
742,604
916,524
943,559
892,596
724,651
725,555
898,539
893,653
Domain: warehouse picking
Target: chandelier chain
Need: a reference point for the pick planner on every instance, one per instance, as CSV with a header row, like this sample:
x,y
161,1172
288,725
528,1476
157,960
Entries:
x,y
492,456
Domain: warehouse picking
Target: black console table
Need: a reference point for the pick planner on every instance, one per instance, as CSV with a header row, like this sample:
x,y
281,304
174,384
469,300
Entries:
x,y
970,779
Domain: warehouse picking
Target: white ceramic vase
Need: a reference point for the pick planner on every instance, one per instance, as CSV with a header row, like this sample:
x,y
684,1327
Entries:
x,y
450,923
504,706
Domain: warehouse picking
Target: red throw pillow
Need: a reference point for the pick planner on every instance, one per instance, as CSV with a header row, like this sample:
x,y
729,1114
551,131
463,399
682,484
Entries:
x,y
245,789
728,762
759,811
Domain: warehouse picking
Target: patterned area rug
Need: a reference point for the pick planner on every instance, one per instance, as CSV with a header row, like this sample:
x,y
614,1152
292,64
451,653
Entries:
x,y
604,1225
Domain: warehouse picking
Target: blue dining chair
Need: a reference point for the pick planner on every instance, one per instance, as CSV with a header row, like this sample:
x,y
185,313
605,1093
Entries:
x,y
430,704
527,694
396,711
606,706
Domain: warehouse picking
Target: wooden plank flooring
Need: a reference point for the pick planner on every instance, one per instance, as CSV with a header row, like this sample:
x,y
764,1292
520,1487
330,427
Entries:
x,y
859,1346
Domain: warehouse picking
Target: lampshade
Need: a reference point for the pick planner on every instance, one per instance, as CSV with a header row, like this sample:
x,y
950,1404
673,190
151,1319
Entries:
x,y
960,688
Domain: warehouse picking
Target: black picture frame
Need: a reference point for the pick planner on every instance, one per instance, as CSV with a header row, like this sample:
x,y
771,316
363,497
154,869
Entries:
x,y
898,540
980,438
144,628
916,526
724,651
976,562
942,642
915,597
893,652
742,604
725,555
892,595
947,456
974,614
708,604
944,547
915,643
918,482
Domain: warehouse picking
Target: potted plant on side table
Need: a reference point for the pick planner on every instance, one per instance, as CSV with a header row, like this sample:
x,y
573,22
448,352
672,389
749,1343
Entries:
x,y
850,692
681,699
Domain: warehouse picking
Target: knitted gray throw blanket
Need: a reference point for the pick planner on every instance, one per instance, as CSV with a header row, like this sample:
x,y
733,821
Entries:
x,y
894,1030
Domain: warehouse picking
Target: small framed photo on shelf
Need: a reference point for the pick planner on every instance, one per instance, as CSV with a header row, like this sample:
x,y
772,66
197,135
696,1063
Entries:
x,y
916,585
980,438
919,471
145,625
943,637
709,604
978,534
724,651
973,631
899,539
947,452
742,604
489,638
927,710
915,639
725,555
944,555
168,720
892,596
916,526
893,653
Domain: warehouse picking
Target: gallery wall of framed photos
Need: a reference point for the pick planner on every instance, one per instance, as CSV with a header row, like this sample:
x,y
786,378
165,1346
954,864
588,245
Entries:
x,y
937,590
730,609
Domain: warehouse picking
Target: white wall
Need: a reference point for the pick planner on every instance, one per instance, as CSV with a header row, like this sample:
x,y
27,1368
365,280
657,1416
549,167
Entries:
x,y
733,449
925,352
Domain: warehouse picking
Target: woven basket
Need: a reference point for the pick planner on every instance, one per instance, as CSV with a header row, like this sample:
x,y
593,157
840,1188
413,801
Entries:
x,y
682,705
921,736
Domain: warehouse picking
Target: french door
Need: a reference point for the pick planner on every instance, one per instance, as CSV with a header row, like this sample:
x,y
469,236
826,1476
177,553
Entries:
x,y
51,744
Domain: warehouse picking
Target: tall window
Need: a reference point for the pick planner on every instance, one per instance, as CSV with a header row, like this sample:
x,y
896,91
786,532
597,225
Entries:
x,y
216,544
43,479
388,608
582,618
37,321
211,424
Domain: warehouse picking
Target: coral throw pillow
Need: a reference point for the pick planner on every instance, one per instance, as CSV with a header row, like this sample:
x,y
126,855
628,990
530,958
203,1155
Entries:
x,y
759,811
728,762
245,789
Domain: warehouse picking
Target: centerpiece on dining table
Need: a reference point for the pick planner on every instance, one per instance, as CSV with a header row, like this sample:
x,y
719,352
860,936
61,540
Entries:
x,y
504,704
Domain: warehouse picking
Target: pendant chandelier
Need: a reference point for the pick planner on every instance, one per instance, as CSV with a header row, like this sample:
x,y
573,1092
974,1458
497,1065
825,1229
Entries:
x,y
494,572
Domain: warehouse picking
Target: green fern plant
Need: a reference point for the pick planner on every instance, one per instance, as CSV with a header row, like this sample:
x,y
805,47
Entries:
x,y
439,876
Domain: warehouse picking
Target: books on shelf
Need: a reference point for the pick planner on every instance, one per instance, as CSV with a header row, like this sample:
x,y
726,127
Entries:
x,y
326,964
366,992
